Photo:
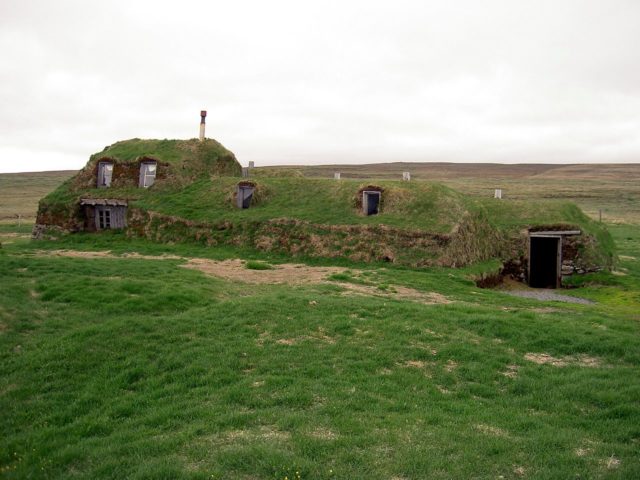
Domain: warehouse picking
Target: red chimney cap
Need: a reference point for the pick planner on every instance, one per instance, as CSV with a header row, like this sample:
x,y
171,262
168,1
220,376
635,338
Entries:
x,y
203,113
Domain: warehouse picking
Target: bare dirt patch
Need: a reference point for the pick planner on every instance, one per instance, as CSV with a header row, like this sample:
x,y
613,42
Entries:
x,y
581,452
424,346
102,254
14,235
451,366
518,470
511,371
490,430
318,335
403,293
428,331
164,256
299,274
579,360
74,253
287,273
612,462
547,295
321,335
323,433
415,364
261,433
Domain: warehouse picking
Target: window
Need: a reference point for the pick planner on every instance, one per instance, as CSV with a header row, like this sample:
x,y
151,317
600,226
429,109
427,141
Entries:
x,y
148,174
105,172
104,218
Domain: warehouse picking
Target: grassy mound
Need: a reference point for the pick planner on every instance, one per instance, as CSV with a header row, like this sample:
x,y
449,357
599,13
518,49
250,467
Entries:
x,y
209,155
419,223
180,162
419,206
514,217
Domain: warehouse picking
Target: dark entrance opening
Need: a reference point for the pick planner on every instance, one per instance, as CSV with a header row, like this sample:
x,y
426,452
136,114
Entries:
x,y
244,196
370,202
545,260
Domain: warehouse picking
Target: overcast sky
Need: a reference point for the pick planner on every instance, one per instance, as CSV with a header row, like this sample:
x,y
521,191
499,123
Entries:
x,y
326,81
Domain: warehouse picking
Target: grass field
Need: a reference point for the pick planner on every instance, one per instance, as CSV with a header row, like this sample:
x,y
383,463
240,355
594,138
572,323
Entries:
x,y
116,366
20,193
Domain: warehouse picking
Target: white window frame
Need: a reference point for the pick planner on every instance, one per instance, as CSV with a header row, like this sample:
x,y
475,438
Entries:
x,y
102,178
147,179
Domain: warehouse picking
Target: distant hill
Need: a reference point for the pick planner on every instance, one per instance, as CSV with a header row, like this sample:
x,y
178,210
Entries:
x,y
20,192
445,171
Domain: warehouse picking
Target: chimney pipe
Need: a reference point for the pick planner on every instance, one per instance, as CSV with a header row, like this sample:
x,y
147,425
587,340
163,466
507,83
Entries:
x,y
203,114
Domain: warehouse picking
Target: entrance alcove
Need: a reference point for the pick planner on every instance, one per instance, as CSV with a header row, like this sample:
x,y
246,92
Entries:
x,y
371,202
545,257
244,194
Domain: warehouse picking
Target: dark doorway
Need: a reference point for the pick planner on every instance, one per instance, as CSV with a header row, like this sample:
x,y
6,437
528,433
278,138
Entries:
x,y
370,202
244,196
545,259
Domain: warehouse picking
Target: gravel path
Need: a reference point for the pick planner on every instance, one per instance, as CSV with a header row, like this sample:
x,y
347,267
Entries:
x,y
547,295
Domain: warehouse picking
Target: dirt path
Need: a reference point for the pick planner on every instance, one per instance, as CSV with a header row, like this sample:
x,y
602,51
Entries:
x,y
547,295
103,254
235,270
289,273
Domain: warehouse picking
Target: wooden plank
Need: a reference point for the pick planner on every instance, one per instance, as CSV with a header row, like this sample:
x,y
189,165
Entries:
x,y
554,233
559,264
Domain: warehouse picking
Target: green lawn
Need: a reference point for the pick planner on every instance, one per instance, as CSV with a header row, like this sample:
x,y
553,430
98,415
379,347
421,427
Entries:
x,y
137,368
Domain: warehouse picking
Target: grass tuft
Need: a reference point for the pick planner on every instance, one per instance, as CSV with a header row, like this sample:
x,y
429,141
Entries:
x,y
257,265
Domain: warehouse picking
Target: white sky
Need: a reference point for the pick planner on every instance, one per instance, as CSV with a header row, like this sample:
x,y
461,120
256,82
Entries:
x,y
325,81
